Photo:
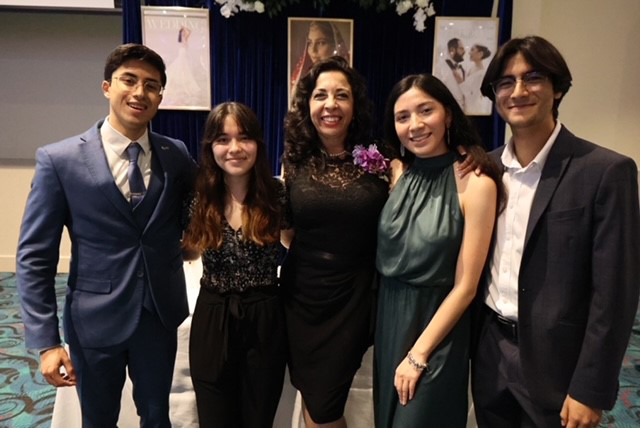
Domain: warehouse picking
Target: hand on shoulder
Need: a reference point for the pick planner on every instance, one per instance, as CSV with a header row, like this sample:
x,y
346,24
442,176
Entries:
x,y
477,181
477,192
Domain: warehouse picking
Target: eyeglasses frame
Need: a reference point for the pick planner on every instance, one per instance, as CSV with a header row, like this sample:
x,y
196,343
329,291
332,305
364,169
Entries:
x,y
139,81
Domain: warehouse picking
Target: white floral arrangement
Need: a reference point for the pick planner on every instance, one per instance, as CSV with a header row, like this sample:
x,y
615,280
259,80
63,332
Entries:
x,y
423,8
229,8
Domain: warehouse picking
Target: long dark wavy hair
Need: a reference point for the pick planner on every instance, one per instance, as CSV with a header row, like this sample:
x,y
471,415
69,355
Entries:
x,y
261,214
461,131
301,141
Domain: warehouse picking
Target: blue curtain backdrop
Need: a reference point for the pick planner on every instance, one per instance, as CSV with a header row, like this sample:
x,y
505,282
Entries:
x,y
249,60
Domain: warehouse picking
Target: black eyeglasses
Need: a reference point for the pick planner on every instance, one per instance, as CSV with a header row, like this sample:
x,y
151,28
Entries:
x,y
505,86
130,83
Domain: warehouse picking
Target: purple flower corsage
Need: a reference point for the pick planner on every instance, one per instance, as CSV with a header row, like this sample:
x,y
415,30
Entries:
x,y
370,160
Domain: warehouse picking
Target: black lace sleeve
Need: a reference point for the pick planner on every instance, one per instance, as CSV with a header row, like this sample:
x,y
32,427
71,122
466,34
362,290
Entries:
x,y
285,202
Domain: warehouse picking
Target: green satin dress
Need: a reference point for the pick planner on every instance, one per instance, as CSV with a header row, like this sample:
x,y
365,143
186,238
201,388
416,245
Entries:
x,y
419,237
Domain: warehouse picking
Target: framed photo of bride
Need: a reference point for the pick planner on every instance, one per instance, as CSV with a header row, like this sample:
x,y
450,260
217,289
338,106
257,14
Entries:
x,y
463,47
180,35
313,39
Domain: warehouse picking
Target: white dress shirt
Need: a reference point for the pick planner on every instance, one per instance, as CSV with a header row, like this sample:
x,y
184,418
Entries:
x,y
115,148
520,183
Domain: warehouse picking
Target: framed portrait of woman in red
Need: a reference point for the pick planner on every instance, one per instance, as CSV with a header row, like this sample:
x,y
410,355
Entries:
x,y
314,39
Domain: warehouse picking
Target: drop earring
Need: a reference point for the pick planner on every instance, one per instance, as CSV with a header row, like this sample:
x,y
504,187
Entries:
x,y
401,151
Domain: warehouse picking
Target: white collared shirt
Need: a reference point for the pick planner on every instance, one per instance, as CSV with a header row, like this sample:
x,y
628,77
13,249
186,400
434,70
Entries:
x,y
115,148
520,184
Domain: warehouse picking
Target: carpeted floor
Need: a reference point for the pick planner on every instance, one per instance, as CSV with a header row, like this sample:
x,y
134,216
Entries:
x,y
26,400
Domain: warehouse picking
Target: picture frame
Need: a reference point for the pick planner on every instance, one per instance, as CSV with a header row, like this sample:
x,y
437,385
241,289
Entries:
x,y
314,39
461,65
180,35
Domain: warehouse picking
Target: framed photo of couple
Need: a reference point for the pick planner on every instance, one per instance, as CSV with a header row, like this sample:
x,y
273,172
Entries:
x,y
313,39
180,35
463,47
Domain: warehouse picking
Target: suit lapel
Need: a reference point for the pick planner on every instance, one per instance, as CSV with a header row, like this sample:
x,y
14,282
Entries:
x,y
554,168
496,155
164,153
96,161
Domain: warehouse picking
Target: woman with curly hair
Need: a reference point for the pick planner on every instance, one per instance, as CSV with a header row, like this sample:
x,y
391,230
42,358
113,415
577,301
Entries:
x,y
334,205
237,348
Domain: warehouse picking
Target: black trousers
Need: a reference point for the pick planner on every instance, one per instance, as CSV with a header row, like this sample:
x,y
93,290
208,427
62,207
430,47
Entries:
x,y
237,354
500,396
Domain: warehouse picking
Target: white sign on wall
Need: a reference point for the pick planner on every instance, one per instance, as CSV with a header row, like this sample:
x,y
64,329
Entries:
x,y
105,4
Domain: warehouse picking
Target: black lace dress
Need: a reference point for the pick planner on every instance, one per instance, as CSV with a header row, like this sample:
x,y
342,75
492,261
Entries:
x,y
328,277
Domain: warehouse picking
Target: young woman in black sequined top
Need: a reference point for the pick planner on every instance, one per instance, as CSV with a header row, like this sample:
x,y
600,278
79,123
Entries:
x,y
237,348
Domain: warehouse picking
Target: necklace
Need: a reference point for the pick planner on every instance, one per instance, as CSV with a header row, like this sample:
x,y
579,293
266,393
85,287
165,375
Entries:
x,y
336,155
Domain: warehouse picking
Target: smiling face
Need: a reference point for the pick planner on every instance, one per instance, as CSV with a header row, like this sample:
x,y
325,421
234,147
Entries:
x,y
526,108
319,45
421,122
233,151
331,108
131,109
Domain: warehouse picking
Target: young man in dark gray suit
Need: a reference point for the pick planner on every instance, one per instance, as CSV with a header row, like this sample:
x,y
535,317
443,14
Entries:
x,y
562,283
118,189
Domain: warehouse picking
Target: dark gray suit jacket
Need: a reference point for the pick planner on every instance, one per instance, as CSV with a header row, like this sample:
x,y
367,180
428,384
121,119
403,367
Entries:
x,y
579,275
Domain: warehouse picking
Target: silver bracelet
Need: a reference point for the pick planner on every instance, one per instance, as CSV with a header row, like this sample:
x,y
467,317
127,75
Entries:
x,y
416,365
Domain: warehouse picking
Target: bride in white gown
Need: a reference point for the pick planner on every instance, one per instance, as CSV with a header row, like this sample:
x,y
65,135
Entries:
x,y
182,89
475,102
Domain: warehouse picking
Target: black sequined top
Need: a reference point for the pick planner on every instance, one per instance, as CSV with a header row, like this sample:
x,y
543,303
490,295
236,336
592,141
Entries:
x,y
240,264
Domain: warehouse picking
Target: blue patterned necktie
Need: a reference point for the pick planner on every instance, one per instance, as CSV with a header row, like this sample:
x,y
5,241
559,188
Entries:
x,y
136,182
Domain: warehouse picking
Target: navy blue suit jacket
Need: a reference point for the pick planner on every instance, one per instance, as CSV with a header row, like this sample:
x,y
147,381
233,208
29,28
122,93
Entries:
x,y
74,187
580,272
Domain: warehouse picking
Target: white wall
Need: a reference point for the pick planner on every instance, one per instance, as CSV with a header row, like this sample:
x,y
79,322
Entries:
x,y
15,182
51,70
601,43
60,3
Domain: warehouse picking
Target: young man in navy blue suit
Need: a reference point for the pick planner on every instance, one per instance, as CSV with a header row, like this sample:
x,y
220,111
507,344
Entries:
x,y
562,284
118,188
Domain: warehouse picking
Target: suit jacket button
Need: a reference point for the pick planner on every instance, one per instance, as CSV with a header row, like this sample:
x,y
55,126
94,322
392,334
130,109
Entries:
x,y
140,274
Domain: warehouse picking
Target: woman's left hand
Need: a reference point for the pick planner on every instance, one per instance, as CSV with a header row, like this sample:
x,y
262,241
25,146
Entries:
x,y
406,380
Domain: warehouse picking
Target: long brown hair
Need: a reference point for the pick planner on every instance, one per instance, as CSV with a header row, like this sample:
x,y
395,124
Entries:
x,y
261,213
462,132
